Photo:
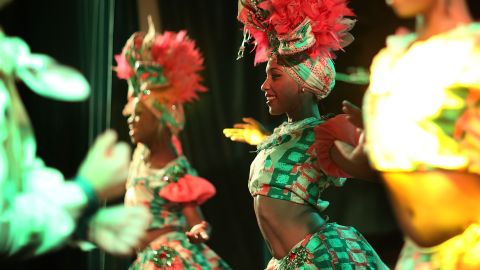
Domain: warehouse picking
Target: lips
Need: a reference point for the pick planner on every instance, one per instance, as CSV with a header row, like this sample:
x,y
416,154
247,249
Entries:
x,y
270,97
132,121
131,128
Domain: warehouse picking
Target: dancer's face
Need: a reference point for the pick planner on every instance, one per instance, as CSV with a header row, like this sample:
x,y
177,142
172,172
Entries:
x,y
142,123
411,8
281,91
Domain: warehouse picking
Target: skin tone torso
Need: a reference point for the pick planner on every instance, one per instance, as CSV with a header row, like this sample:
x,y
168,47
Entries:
x,y
284,224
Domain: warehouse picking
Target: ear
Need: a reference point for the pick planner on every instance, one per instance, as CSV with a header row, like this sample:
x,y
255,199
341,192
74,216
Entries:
x,y
307,92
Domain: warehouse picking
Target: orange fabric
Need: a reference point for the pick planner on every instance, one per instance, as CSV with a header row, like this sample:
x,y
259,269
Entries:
x,y
336,128
189,188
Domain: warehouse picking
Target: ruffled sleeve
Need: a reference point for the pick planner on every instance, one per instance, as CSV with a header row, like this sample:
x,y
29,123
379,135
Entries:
x,y
336,128
188,188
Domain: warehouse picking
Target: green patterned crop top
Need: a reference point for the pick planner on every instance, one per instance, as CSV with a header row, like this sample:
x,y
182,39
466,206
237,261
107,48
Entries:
x,y
286,166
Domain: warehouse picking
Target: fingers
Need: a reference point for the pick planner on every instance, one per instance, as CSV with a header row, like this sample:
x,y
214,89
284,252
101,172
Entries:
x,y
198,233
120,247
354,113
119,230
204,235
348,107
230,131
238,139
132,234
135,215
117,161
234,134
141,214
361,139
192,237
198,236
120,156
344,148
242,126
104,142
250,121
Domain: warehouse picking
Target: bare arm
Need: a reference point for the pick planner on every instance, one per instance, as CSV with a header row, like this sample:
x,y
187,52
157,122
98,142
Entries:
x,y
199,228
353,159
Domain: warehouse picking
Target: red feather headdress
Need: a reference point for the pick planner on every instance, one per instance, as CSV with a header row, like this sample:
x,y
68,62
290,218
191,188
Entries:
x,y
315,27
163,71
167,65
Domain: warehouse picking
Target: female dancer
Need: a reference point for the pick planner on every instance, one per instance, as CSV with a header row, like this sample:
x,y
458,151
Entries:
x,y
290,171
433,178
422,114
162,73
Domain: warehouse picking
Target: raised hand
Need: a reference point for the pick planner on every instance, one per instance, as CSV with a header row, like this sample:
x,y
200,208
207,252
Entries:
x,y
106,166
198,233
119,230
354,113
353,159
250,131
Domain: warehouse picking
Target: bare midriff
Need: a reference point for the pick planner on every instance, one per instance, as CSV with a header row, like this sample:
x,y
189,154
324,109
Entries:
x,y
153,234
284,223
434,206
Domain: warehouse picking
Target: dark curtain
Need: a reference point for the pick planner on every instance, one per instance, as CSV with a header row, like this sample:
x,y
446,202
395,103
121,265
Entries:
x,y
61,129
78,33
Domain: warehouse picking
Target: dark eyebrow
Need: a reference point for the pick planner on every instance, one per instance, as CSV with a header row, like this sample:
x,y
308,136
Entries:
x,y
274,69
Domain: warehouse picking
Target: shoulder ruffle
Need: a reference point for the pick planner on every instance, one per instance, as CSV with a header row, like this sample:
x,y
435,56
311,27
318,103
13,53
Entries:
x,y
336,128
188,188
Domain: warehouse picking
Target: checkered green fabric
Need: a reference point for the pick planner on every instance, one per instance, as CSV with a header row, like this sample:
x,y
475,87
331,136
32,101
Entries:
x,y
333,247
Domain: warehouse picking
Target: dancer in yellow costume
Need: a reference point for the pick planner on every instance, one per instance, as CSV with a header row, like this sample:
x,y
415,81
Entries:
x,y
421,117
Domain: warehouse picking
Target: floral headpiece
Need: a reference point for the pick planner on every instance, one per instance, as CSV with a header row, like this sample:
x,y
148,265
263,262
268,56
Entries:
x,y
302,34
162,71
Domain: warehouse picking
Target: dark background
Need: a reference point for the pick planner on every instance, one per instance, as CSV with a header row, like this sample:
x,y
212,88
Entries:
x,y
77,33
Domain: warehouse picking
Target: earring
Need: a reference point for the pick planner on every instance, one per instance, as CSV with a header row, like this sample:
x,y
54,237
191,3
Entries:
x,y
389,2
303,90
